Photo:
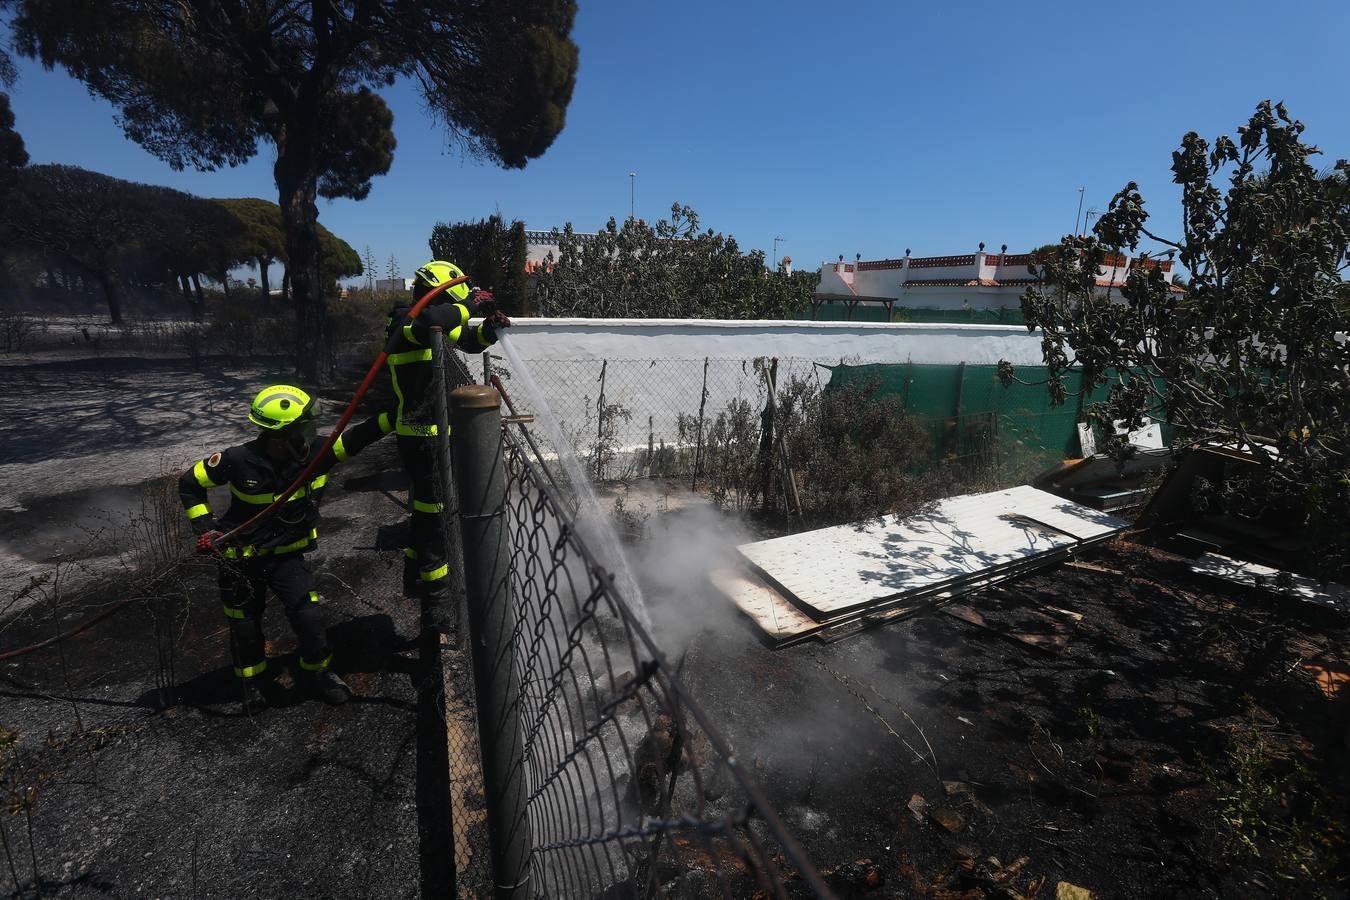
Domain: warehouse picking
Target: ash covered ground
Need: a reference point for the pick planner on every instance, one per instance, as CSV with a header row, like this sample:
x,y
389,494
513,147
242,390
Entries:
x,y
923,758
929,757
141,774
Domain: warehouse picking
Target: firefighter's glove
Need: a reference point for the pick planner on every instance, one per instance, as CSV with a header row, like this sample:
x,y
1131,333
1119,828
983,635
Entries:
x,y
483,304
495,323
206,541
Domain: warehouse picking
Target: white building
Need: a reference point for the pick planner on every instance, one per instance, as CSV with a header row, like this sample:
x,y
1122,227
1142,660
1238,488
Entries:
x,y
978,282
393,285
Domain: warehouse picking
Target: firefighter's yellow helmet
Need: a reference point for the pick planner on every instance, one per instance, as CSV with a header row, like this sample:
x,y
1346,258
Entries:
x,y
436,273
280,406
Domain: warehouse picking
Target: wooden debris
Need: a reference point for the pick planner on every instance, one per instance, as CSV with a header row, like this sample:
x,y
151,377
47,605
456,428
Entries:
x,y
1091,567
918,807
1330,677
1053,639
950,820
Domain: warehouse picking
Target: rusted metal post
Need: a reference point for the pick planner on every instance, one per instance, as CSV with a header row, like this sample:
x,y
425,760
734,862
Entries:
x,y
600,426
698,443
481,478
767,443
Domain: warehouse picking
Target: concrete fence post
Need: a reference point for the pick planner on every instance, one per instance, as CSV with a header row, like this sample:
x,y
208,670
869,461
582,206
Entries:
x,y
480,473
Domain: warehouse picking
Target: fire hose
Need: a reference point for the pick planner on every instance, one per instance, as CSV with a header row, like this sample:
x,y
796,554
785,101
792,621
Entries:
x,y
206,543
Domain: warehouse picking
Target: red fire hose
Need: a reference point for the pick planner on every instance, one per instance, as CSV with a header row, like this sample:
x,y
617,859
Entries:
x,y
285,495
360,394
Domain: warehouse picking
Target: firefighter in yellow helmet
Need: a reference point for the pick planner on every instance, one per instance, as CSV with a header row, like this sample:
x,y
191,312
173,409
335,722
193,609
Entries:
x,y
425,570
271,554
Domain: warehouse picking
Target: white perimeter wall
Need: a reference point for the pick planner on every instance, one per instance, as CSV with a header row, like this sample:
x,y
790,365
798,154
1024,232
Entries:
x,y
655,366
821,341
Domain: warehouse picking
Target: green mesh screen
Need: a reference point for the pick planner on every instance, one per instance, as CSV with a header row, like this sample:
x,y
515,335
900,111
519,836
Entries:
x,y
969,414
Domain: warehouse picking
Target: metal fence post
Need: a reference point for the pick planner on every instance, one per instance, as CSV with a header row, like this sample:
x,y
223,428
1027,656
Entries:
x,y
481,478
452,618
435,815
698,445
600,426
767,435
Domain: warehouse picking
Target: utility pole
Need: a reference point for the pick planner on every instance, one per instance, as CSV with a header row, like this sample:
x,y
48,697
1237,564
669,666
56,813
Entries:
x,y
1080,211
632,195
775,251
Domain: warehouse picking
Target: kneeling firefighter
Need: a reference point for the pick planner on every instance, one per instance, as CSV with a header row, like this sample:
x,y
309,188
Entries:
x,y
425,571
271,554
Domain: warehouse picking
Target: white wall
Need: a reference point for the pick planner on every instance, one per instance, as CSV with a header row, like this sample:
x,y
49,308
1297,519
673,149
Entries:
x,y
744,340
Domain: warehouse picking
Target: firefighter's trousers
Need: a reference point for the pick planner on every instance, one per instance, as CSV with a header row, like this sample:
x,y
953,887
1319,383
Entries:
x,y
244,584
425,572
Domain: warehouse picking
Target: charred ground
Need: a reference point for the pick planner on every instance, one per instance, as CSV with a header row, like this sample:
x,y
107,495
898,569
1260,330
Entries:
x,y
933,758
1186,741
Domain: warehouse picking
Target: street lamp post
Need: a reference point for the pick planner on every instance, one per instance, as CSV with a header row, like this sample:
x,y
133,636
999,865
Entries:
x,y
632,195
1078,214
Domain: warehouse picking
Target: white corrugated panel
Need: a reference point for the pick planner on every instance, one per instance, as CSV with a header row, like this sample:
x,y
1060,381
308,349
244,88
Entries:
x,y
833,571
1301,587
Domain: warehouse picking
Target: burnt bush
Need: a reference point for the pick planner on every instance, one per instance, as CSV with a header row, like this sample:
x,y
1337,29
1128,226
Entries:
x,y
855,452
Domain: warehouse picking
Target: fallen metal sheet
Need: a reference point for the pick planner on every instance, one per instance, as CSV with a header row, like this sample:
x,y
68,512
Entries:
x,y
783,624
833,572
920,601
1300,587
780,621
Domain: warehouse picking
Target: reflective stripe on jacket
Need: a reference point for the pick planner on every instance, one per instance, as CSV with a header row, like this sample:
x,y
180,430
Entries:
x,y
410,359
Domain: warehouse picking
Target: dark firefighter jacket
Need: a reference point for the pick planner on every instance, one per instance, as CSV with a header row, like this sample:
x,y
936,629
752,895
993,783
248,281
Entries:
x,y
255,479
410,358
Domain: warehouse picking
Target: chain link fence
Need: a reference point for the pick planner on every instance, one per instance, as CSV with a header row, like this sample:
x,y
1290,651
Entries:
x,y
580,766
636,418
630,791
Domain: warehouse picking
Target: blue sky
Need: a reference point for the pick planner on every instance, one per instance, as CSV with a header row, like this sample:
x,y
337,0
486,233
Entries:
x,y
845,127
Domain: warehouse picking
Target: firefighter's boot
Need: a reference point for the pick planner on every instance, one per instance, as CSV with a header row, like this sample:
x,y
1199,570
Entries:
x,y
327,685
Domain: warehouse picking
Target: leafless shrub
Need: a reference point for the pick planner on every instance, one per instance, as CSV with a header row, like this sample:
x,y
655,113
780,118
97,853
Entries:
x,y
18,328
159,533
729,456
855,452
